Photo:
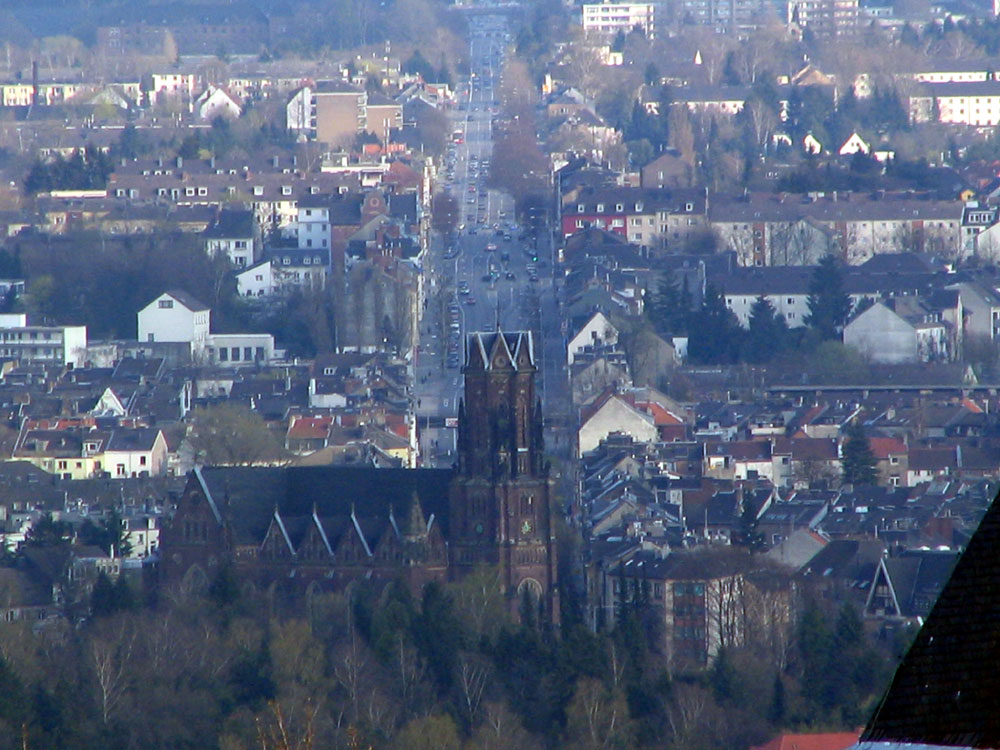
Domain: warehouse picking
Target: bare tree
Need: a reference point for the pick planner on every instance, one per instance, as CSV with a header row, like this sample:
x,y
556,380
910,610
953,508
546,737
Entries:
x,y
111,656
473,679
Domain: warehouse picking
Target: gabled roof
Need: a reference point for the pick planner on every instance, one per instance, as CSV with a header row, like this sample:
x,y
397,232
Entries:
x,y
947,689
179,295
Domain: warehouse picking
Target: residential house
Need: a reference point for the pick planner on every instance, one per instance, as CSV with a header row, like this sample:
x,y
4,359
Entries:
x,y
884,336
236,235
176,316
216,102
598,332
613,414
905,587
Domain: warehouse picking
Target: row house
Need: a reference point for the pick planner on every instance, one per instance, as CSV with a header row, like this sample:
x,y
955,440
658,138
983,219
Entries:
x,y
84,453
957,103
647,218
273,198
771,230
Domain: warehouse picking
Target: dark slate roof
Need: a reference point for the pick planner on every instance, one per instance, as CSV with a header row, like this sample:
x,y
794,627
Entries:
x,y
187,300
247,496
232,224
947,689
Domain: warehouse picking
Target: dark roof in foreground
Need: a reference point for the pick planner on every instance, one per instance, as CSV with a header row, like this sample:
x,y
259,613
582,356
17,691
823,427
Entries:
x,y
947,689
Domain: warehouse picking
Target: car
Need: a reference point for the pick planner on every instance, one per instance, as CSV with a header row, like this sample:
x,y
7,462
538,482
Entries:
x,y
487,278
490,247
533,278
470,301
510,276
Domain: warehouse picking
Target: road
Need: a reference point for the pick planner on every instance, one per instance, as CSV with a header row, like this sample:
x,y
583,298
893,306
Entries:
x,y
491,272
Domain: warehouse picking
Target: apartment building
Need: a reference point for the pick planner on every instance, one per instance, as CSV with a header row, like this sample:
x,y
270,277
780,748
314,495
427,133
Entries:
x,y
826,18
610,18
334,112
65,345
959,103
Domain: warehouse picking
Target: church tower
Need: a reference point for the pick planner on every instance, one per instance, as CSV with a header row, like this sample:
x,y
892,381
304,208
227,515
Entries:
x,y
500,497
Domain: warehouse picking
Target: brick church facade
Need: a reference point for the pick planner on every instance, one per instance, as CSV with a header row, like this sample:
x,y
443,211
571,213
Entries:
x,y
306,530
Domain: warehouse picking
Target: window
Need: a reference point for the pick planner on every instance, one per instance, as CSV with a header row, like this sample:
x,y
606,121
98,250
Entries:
x,y
258,189
203,191
142,460
247,353
309,212
581,208
600,208
166,304
894,459
223,354
286,189
317,259
260,352
235,354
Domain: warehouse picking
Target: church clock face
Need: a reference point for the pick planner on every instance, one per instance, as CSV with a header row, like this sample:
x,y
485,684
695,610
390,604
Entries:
x,y
479,528
526,526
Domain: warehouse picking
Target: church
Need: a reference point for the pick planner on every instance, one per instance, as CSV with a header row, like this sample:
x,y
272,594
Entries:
x,y
307,530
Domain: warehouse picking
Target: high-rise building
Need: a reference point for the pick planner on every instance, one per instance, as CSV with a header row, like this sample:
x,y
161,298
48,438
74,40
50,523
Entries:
x,y
610,18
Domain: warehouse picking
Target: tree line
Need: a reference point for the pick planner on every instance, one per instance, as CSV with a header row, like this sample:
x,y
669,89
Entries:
x,y
715,335
447,669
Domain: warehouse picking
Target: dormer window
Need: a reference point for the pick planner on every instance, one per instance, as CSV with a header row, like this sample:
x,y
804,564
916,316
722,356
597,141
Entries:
x,y
307,260
600,208
638,206
580,208
286,189
689,207
258,189
619,207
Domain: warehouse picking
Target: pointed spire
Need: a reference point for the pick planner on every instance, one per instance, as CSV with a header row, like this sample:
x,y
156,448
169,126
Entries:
x,y
417,522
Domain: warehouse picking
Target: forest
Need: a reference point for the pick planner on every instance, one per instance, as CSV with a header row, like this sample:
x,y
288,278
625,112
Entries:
x,y
379,667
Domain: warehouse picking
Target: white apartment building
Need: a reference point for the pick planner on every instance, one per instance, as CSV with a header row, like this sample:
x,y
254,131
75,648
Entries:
x,y
66,345
976,104
610,18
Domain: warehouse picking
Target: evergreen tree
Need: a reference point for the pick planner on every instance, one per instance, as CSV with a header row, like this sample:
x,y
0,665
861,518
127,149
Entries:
x,y
102,598
858,459
715,333
768,332
829,304
669,308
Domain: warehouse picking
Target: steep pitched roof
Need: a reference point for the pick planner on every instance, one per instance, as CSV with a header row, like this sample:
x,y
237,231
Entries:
x,y
947,689
187,300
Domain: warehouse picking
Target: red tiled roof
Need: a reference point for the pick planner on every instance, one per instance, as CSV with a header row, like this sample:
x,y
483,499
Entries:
x,y
309,428
660,415
825,741
883,447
